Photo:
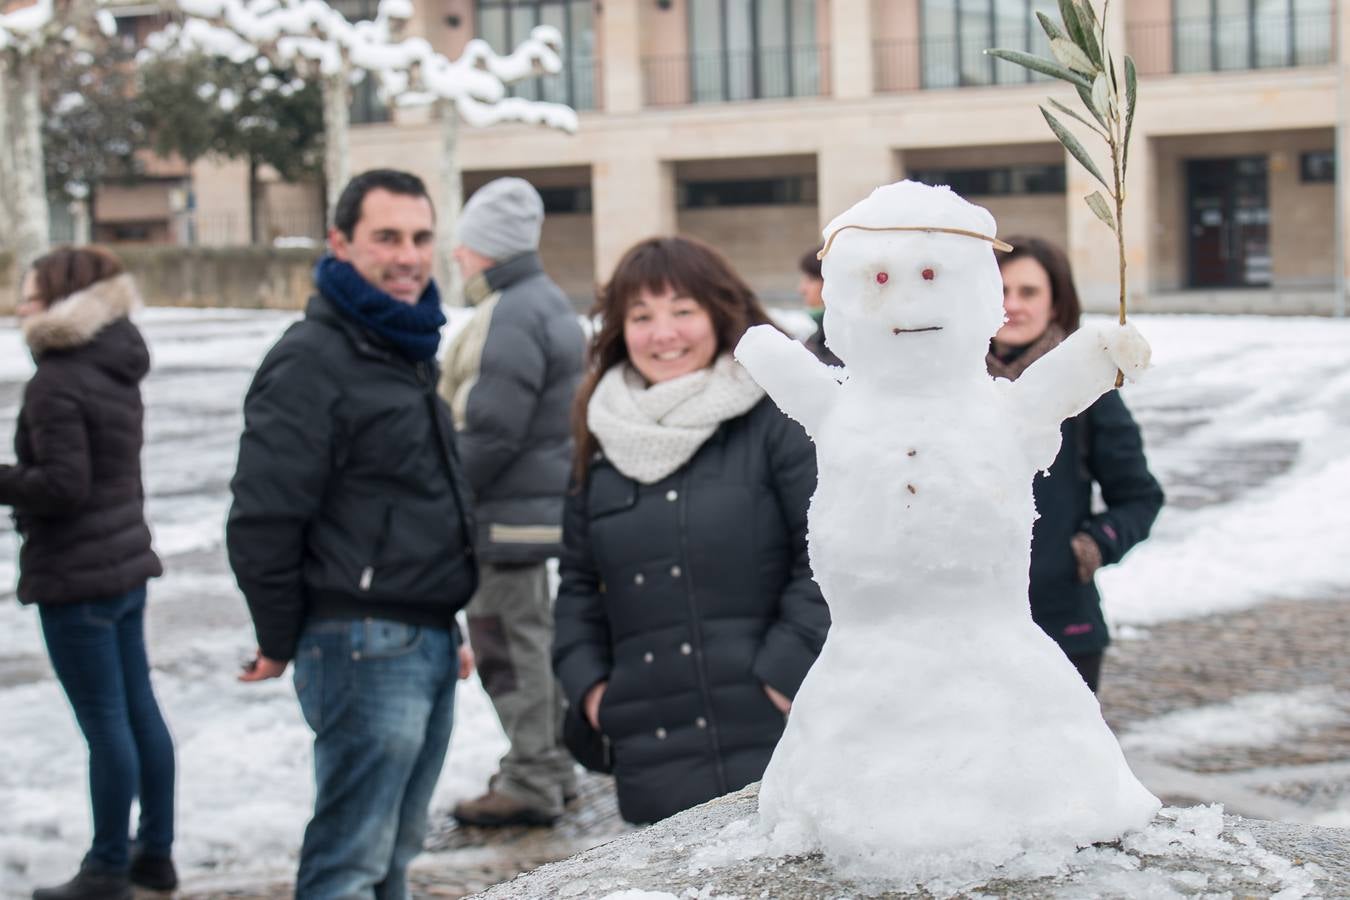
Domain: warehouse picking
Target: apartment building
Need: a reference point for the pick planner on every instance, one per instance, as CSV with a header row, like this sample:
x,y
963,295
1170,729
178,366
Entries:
x,y
752,123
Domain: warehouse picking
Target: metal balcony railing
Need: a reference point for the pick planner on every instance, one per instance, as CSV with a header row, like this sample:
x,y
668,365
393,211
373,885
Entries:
x,y
1233,43
915,64
765,74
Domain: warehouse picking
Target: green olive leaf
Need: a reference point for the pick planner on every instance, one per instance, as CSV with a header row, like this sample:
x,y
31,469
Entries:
x,y
1097,203
1131,95
1048,26
1073,146
1044,66
1069,112
1071,56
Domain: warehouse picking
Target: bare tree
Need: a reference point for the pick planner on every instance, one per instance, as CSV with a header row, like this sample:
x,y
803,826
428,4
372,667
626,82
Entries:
x,y
28,36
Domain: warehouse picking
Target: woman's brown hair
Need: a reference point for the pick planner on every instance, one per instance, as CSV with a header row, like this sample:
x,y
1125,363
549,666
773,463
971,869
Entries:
x,y
68,270
684,265
1066,309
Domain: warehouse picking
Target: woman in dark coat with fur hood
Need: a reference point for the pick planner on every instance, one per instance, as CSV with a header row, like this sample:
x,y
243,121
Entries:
x,y
86,557
686,616
1101,445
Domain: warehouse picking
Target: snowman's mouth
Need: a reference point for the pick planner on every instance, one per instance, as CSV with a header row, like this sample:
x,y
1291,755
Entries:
x,y
915,330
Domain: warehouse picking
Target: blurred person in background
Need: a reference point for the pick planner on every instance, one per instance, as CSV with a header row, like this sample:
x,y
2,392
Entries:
x,y
510,377
809,286
1101,446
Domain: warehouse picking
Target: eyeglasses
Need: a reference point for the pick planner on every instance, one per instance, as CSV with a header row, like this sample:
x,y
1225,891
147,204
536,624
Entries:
x,y
998,245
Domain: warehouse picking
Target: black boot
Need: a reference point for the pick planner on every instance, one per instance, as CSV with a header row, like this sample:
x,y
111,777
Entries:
x,y
89,884
154,873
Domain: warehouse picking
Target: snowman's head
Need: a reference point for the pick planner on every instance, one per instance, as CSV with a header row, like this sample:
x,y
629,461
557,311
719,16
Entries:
x,y
898,300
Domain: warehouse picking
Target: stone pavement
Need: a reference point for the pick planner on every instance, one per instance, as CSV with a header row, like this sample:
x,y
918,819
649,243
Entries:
x,y
1280,647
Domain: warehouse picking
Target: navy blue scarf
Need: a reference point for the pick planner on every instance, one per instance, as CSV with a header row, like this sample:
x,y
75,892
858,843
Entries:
x,y
413,329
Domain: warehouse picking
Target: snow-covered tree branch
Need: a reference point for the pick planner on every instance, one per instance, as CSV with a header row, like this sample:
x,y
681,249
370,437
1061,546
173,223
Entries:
x,y
27,35
316,40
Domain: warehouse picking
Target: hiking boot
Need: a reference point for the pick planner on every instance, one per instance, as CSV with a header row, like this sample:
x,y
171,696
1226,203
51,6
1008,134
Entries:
x,y
89,884
495,809
154,873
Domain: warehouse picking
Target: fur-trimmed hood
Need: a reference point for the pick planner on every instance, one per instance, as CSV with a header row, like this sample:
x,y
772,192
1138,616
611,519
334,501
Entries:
x,y
76,320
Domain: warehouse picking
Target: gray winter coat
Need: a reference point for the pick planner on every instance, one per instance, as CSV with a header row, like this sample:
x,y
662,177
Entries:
x,y
510,377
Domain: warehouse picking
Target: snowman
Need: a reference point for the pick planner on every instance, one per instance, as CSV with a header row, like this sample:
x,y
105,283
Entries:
x,y
940,732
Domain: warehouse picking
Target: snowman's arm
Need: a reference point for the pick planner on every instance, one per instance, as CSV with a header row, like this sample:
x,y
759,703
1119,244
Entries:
x,y
1070,377
801,385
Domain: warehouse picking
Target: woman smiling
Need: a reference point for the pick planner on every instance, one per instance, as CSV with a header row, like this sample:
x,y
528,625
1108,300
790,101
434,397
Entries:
x,y
686,616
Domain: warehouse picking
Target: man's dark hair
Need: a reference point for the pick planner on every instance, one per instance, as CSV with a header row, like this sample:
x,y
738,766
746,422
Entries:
x,y
809,264
348,211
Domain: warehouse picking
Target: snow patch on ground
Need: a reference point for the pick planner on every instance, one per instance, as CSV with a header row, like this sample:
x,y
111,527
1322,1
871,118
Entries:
x,y
1255,720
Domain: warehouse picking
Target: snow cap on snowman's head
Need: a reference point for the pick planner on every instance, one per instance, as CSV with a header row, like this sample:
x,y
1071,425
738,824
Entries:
x,y
911,281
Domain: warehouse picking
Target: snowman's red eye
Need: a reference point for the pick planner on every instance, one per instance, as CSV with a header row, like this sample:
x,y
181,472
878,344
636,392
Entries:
x,y
882,278
927,274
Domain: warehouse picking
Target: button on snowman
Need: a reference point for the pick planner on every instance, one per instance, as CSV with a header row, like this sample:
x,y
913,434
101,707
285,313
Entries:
x,y
941,732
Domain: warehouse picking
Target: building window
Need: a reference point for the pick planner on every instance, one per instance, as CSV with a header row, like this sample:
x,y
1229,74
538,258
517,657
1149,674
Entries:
x,y
367,107
565,199
752,49
1317,166
505,23
791,190
1220,35
1023,179
957,32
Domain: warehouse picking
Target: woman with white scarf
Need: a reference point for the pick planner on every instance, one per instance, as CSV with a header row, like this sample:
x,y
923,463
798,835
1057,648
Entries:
x,y
686,616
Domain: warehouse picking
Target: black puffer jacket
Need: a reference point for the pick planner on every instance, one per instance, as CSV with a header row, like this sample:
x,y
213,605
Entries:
x,y
688,596
348,496
76,490
1102,444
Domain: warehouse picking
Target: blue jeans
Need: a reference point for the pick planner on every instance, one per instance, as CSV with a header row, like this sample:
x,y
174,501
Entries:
x,y
380,697
98,652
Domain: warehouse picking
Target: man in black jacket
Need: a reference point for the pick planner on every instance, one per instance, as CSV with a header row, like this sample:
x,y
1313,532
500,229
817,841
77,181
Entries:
x,y
351,539
510,377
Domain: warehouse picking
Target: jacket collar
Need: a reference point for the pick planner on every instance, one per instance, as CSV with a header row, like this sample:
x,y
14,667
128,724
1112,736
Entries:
x,y
320,309
74,321
517,268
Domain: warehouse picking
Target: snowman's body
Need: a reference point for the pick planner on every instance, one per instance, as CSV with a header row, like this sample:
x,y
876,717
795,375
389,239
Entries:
x,y
940,730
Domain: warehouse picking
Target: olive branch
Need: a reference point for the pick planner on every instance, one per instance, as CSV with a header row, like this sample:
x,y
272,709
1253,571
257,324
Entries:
x,y
1083,60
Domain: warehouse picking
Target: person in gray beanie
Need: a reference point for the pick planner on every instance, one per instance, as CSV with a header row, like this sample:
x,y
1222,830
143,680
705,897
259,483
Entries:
x,y
510,377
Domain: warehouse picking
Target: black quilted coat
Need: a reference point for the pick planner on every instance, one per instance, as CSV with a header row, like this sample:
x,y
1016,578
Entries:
x,y
688,596
76,488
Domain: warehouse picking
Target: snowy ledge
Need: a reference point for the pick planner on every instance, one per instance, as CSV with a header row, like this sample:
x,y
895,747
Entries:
x,y
708,853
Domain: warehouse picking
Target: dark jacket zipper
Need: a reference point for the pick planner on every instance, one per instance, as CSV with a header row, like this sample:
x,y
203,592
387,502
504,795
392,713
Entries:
x,y
696,635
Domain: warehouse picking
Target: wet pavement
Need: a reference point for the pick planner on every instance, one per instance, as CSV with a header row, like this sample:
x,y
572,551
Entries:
x,y
1277,648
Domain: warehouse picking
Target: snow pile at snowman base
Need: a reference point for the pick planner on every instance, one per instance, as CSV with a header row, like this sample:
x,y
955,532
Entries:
x,y
717,852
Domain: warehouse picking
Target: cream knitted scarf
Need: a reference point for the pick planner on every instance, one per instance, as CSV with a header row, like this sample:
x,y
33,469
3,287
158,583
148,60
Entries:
x,y
649,431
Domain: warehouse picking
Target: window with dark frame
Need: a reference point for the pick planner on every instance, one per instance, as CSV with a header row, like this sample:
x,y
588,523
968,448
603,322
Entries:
x,y
749,50
505,23
1317,167
1000,181
1224,35
955,34
565,199
789,190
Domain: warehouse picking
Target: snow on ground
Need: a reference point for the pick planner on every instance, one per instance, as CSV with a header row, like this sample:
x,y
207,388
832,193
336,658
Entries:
x,y
1228,388
1238,390
1253,720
